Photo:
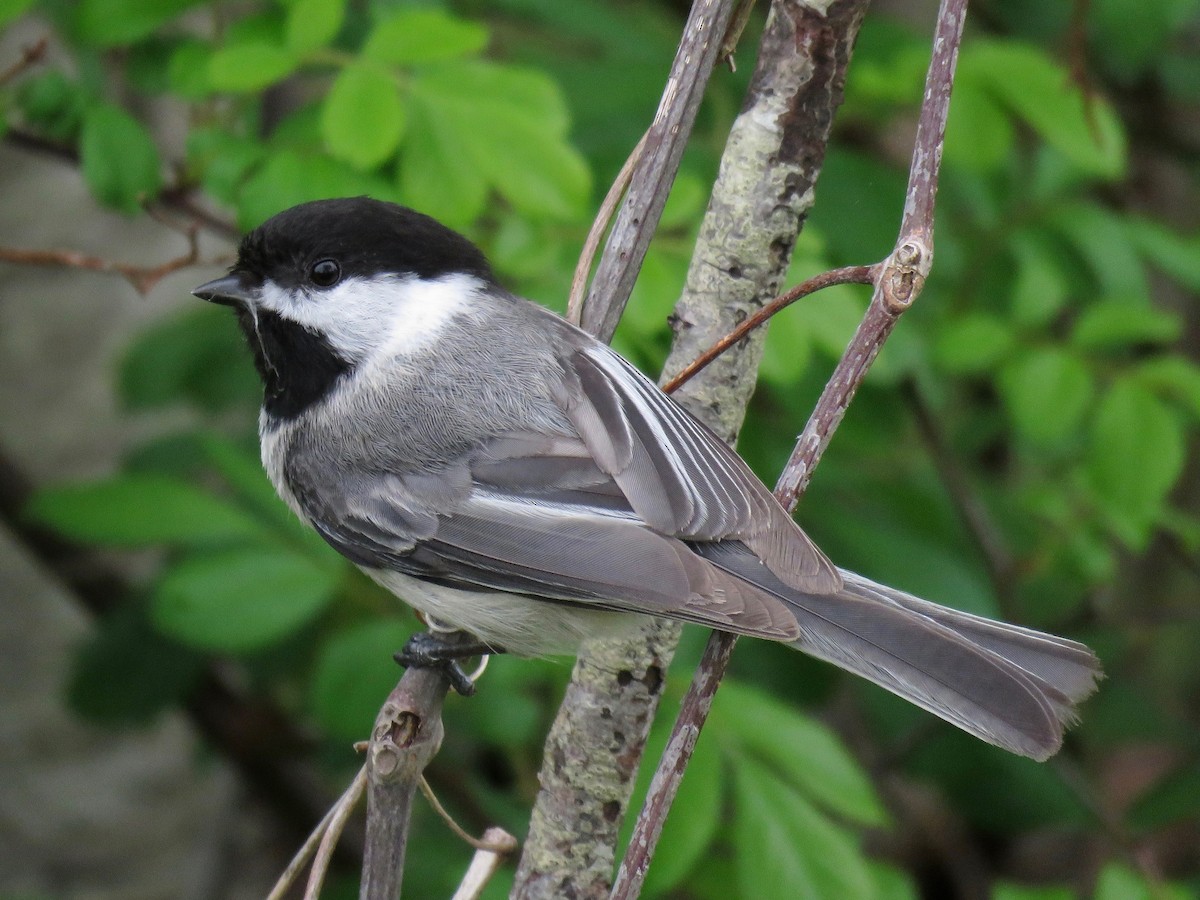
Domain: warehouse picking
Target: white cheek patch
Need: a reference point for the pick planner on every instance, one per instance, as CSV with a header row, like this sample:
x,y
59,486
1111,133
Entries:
x,y
387,316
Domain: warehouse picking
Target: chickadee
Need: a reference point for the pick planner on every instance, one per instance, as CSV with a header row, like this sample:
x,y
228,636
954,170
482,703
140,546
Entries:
x,y
510,476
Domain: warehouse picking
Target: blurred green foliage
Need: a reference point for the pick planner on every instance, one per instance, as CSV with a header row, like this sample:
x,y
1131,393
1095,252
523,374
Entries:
x,y
1021,448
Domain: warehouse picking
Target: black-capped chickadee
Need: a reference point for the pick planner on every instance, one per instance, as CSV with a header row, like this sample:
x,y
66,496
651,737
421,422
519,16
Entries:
x,y
512,477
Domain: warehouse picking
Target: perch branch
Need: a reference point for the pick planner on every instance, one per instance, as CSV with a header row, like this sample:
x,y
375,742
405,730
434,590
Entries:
x,y
898,281
31,55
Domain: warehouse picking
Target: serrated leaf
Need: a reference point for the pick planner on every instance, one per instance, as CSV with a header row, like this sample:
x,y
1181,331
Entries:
x,y
313,23
108,23
1136,455
354,673
119,160
1118,323
511,125
973,343
241,600
250,66
421,36
1083,127
362,118
137,510
785,848
1046,391
799,748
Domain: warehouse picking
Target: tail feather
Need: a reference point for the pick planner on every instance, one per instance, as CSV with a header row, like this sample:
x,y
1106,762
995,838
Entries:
x,y
1009,686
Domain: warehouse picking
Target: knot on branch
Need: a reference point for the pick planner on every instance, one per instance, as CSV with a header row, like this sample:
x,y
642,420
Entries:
x,y
904,274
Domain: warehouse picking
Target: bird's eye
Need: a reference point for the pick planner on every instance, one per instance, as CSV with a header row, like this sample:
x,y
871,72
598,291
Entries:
x,y
325,273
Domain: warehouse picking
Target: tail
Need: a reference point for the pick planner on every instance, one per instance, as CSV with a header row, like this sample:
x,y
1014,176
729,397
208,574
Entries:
x,y
1010,686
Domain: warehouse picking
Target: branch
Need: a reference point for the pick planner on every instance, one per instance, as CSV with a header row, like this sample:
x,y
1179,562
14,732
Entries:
x,y
595,744
142,278
31,55
899,281
659,161
406,736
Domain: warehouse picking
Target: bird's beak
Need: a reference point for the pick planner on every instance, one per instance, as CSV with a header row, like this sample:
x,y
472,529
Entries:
x,y
230,290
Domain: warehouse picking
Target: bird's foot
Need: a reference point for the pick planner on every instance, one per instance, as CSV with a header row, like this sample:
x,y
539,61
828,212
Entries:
x,y
444,650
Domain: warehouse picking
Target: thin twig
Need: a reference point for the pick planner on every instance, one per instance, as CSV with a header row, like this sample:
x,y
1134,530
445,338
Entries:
x,y
142,278
503,844
334,821
845,275
31,55
337,822
652,179
898,281
483,865
599,224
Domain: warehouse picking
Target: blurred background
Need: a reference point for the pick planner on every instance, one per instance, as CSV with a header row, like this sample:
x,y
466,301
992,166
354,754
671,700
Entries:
x,y
183,669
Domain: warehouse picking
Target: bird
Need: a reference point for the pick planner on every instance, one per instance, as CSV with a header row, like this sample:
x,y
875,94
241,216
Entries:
x,y
512,477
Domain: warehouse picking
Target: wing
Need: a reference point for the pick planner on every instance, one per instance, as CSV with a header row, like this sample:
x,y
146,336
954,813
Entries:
x,y
535,515
678,476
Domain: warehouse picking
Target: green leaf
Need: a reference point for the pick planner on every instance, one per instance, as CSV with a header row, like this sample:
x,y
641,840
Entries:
x,y
420,36
1118,882
250,66
797,747
785,848
119,160
362,118
288,178
1039,289
1098,234
12,9
1174,377
222,160
313,23
434,176
1116,323
354,673
979,136
1175,254
187,72
973,343
126,673
1083,127
54,104
1047,391
511,125
108,23
197,357
1136,455
241,600
134,510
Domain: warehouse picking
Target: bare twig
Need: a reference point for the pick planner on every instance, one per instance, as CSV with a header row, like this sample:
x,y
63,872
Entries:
x,y
142,278
603,216
406,736
484,864
334,820
898,281
501,841
31,55
651,181
846,275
